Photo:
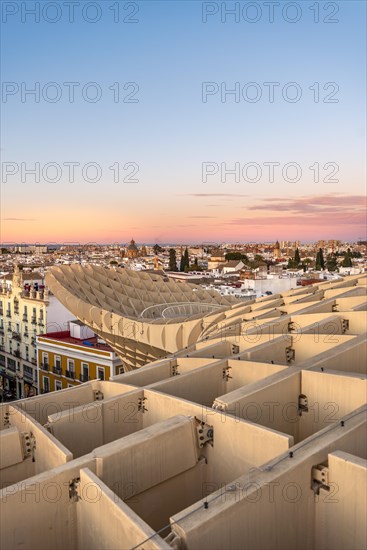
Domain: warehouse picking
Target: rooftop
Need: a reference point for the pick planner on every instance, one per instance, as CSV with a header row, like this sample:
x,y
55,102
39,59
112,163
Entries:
x,y
254,436
64,336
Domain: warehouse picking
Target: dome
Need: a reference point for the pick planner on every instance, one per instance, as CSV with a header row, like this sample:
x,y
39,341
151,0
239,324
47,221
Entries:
x,y
132,246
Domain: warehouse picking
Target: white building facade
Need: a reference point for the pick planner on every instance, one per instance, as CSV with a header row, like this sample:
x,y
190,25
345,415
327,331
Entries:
x,y
27,309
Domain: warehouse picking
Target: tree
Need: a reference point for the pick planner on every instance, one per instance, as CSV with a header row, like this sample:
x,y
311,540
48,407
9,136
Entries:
x,y
172,260
320,264
235,256
331,262
157,249
292,264
305,263
182,263
297,257
347,262
186,258
185,261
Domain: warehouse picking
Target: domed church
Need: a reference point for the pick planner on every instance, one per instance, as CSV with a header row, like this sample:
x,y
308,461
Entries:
x,y
132,250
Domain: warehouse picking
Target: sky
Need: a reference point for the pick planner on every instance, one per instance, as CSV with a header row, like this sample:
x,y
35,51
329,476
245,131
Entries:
x,y
178,121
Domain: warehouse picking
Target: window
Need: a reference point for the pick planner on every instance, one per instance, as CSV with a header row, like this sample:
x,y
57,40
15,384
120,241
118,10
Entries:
x,y
44,358
100,373
46,384
70,371
58,385
85,372
121,370
58,361
71,366
11,364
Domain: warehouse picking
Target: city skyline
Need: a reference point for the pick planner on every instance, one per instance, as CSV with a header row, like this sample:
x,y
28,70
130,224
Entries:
x,y
316,225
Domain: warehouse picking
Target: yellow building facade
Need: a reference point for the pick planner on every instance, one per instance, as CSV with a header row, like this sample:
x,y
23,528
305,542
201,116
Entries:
x,y
69,358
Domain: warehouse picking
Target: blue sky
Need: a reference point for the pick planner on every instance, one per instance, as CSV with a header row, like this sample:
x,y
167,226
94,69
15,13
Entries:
x,y
170,132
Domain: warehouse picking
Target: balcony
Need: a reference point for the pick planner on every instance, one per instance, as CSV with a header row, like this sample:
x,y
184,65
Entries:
x,y
16,311
26,334
34,361
1,330
57,370
70,374
34,320
16,353
44,366
25,318
16,336
84,378
2,348
33,342
11,368
8,314
1,312
28,376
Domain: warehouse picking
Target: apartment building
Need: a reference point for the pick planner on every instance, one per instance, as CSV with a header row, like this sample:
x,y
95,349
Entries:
x,y
27,308
68,358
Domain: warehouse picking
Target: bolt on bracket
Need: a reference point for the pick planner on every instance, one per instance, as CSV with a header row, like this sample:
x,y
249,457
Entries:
x,y
205,433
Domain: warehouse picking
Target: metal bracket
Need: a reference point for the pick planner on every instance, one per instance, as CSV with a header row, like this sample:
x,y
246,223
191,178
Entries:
x,y
98,395
291,326
226,375
6,420
235,349
174,370
74,489
173,540
302,404
345,325
335,308
28,444
141,404
290,354
205,433
320,478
